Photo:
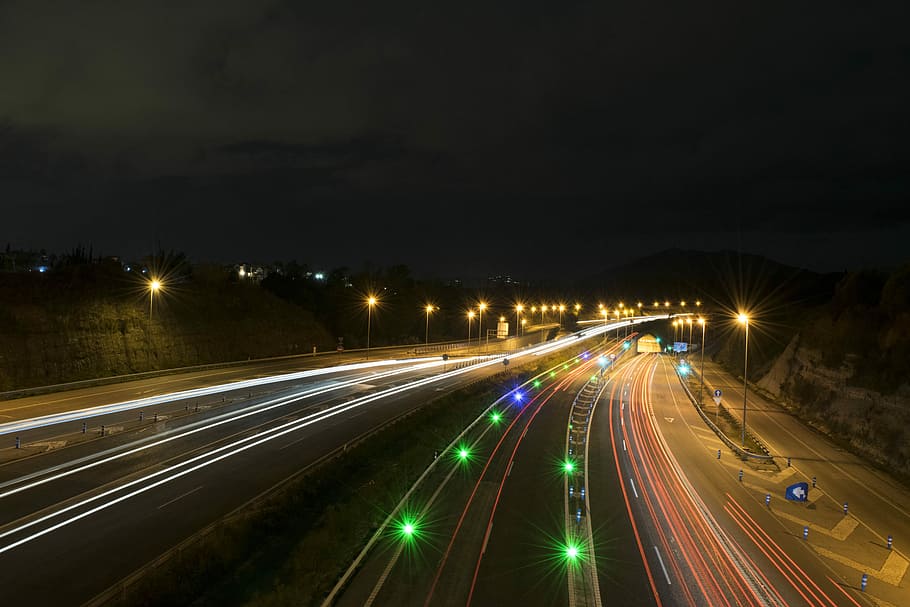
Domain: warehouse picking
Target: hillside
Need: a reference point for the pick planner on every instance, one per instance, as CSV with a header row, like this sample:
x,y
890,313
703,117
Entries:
x,y
847,371
93,321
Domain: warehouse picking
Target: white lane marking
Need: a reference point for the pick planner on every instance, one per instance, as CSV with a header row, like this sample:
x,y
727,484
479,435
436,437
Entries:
x,y
292,443
662,566
624,445
512,463
633,488
190,492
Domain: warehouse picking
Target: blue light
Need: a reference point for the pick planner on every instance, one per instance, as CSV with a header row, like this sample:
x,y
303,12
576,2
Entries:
x,y
584,355
519,396
684,369
603,361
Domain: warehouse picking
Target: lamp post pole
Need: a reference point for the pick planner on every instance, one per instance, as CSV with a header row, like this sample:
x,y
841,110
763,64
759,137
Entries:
x,y
745,320
481,306
426,335
370,303
701,389
153,288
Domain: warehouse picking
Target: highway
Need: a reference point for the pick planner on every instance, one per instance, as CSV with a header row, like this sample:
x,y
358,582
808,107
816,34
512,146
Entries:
x,y
665,522
495,532
118,502
88,509
878,506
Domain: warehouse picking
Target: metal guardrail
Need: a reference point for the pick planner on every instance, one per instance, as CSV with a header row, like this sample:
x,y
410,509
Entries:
x,y
723,437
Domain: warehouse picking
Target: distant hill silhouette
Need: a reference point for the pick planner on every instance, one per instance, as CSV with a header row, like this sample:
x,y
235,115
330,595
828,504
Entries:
x,y
724,278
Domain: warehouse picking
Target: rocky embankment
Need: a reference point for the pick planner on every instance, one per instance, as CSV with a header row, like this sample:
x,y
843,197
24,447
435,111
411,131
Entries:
x,y
874,424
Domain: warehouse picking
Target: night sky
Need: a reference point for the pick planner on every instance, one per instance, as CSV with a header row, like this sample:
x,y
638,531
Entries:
x,y
533,138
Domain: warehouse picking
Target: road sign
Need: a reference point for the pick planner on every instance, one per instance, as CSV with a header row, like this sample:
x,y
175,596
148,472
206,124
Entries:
x,y
717,394
680,346
798,492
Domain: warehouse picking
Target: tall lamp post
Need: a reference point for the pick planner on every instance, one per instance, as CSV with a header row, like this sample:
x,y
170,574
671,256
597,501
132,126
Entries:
x,y
562,308
518,309
744,320
701,389
470,319
605,314
154,287
426,336
689,322
481,306
371,301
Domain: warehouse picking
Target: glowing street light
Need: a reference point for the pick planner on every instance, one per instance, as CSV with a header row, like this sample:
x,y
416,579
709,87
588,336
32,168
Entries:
x,y
562,308
371,301
470,320
154,287
518,309
689,322
426,338
480,306
701,389
744,320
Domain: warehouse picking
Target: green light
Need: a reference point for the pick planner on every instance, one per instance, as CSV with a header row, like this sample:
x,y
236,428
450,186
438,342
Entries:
x,y
536,383
408,528
568,466
565,366
463,453
572,552
495,417
594,377
552,374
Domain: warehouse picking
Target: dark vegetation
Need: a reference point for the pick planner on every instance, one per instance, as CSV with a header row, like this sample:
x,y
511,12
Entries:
x,y
85,321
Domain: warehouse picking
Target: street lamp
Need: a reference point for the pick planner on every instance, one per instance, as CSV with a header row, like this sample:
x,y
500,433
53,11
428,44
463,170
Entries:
x,y
604,313
470,319
481,306
562,308
426,337
744,320
371,301
154,287
518,309
689,322
701,389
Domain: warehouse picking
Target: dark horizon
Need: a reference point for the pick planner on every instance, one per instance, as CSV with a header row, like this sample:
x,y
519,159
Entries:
x,y
515,140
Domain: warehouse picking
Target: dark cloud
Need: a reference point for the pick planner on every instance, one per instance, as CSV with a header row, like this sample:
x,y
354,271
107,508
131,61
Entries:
x,y
408,131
